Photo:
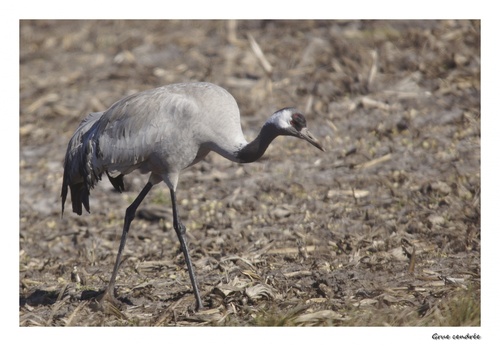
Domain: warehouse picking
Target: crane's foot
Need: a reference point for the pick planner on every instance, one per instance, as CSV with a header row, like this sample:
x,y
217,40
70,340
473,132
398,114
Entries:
x,y
108,297
108,303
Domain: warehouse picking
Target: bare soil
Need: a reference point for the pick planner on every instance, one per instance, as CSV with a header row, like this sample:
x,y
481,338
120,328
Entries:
x,y
381,229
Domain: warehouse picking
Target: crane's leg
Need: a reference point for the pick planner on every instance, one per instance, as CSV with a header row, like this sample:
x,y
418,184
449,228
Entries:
x,y
180,230
129,216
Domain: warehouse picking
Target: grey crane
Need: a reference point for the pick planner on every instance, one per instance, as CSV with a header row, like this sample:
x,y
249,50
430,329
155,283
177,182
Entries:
x,y
163,131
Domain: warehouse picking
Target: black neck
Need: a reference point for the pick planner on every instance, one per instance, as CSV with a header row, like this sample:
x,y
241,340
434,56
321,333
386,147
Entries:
x,y
256,148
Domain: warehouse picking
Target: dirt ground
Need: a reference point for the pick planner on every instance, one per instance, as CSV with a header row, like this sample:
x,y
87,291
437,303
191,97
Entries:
x,y
381,229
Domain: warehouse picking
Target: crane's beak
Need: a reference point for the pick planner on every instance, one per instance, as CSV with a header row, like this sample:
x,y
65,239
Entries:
x,y
305,134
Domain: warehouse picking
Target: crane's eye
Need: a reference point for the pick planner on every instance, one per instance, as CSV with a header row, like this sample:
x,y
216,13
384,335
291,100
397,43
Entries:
x,y
298,121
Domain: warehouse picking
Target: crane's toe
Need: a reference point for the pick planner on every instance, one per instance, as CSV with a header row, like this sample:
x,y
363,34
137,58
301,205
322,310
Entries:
x,y
108,303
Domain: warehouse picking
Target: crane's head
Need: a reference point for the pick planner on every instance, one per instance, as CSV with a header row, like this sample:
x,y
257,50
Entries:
x,y
290,122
